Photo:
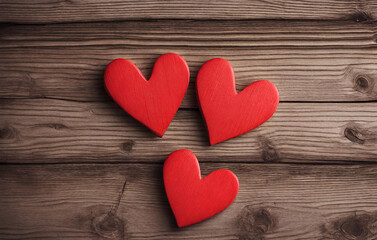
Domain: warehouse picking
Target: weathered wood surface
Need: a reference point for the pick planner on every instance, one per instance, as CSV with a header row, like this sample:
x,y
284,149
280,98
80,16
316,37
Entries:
x,y
190,33
49,11
127,201
309,172
307,60
42,130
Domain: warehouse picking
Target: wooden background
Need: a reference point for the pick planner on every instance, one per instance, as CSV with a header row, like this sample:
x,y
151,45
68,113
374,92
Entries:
x,y
75,166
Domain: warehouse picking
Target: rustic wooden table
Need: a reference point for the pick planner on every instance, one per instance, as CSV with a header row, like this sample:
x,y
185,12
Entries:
x,y
75,166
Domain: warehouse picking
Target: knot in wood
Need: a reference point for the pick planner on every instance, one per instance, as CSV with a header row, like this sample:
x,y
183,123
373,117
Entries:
x,y
8,132
354,135
127,145
362,84
353,228
361,17
269,153
254,223
108,226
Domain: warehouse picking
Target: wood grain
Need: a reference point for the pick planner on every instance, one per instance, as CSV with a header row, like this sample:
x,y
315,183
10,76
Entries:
x,y
306,60
127,201
42,130
192,33
49,11
73,165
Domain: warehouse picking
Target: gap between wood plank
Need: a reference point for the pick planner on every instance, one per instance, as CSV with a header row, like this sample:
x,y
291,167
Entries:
x,y
358,18
184,109
318,163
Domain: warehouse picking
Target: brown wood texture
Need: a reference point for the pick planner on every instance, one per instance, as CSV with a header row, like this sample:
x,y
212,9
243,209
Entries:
x,y
73,165
43,131
321,61
51,11
127,201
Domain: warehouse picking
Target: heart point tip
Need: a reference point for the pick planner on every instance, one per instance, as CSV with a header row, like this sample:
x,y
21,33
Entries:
x,y
160,134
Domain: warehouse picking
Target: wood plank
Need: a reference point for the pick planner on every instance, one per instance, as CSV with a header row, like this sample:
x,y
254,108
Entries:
x,y
40,131
191,33
306,60
49,11
127,201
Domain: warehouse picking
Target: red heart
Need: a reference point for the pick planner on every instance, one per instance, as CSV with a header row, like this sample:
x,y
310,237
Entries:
x,y
153,102
227,113
192,198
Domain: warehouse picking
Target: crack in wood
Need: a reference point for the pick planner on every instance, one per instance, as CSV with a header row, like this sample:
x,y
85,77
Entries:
x,y
56,126
109,225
